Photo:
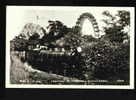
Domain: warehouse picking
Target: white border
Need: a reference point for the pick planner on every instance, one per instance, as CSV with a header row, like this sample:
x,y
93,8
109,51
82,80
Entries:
x,y
131,86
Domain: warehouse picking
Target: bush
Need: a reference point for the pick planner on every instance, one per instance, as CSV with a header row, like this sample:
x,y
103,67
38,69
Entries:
x,y
105,61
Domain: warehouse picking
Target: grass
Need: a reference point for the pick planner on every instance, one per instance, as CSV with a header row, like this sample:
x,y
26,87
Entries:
x,y
17,70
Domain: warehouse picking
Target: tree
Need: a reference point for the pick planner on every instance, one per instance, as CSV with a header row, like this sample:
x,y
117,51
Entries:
x,y
124,18
35,36
104,61
56,30
73,37
20,44
115,26
31,29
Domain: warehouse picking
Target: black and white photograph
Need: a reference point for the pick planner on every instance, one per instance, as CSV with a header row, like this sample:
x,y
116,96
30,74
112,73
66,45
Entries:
x,y
82,47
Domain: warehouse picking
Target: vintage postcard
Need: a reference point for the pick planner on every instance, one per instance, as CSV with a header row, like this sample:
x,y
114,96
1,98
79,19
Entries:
x,y
70,47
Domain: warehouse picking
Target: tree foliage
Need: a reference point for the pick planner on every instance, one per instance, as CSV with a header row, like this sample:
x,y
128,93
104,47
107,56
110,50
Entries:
x,y
20,44
56,30
115,25
73,38
107,62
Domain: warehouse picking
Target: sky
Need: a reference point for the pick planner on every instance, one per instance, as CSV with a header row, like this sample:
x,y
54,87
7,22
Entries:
x,y
18,16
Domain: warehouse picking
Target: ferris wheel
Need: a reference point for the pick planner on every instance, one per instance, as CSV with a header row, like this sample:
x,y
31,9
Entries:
x,y
91,18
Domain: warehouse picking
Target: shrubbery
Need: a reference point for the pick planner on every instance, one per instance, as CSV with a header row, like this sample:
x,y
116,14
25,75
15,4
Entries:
x,y
105,61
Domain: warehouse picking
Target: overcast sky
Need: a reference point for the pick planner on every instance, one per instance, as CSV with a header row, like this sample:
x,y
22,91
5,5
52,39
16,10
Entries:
x,y
18,16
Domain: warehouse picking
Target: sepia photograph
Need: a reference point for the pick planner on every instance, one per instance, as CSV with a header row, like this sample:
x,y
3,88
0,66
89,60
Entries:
x,y
74,47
